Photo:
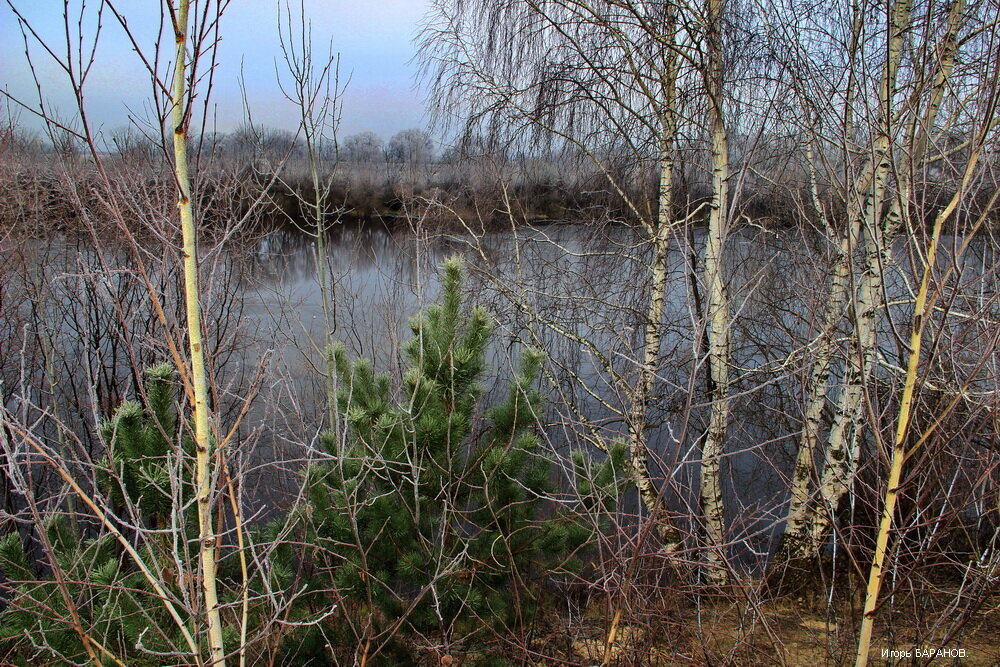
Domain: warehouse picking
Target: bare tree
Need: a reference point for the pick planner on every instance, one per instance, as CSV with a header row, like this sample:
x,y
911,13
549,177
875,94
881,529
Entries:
x,y
620,82
362,148
881,152
314,88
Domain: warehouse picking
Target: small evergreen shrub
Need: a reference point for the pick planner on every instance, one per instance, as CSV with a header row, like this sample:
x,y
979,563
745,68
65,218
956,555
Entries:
x,y
86,583
434,512
113,602
139,441
433,518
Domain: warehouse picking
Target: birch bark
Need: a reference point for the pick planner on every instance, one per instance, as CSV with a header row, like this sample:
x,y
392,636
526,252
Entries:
x,y
202,436
719,334
653,330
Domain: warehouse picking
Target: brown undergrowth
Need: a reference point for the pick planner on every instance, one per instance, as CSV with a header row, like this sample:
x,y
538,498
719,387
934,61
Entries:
x,y
786,631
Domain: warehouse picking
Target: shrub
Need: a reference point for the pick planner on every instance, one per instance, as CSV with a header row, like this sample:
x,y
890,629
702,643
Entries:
x,y
86,597
434,512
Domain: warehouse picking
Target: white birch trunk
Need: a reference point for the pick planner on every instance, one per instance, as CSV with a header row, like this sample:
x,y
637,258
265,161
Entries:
x,y
653,329
718,331
199,380
842,448
796,543
651,363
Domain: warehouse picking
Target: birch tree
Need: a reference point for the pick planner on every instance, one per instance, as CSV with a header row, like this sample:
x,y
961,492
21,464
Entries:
x,y
718,331
193,607
605,79
904,127
610,68
625,81
205,473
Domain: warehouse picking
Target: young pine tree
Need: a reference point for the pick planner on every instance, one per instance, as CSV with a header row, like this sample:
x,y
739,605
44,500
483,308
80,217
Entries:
x,y
434,512
139,440
102,606
85,600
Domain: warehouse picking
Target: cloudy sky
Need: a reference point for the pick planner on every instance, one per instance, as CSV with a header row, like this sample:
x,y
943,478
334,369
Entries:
x,y
374,39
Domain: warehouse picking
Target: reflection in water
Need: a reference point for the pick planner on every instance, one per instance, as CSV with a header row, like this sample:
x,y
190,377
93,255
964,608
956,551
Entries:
x,y
575,291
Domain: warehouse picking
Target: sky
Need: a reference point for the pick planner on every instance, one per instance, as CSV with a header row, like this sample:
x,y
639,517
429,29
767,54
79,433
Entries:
x,y
374,39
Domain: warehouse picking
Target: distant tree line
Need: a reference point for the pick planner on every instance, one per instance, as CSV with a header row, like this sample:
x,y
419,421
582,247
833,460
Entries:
x,y
368,175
